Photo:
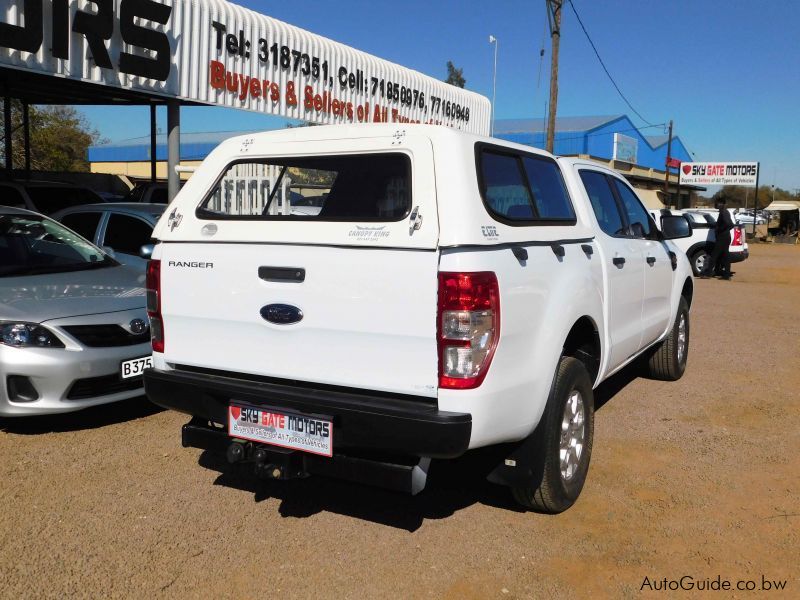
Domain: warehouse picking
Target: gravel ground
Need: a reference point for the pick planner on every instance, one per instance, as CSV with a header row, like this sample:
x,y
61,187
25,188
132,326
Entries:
x,y
697,478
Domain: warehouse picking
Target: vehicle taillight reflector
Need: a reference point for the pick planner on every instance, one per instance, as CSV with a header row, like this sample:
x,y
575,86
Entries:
x,y
468,322
737,236
153,285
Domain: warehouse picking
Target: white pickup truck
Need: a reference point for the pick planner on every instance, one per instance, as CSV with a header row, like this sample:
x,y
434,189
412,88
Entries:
x,y
452,292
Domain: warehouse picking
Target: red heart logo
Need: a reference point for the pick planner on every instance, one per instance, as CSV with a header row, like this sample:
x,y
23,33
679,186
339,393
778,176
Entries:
x,y
687,169
235,412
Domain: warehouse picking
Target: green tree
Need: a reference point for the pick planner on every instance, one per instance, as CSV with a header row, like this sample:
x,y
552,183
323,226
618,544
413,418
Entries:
x,y
455,76
737,196
60,138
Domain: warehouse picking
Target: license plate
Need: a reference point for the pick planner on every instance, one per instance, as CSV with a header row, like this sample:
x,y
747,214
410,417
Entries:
x,y
135,366
299,432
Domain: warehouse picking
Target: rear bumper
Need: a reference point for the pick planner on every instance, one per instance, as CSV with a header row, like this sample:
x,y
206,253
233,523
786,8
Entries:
x,y
739,256
360,421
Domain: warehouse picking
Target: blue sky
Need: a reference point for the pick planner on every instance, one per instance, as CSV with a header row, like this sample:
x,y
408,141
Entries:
x,y
726,71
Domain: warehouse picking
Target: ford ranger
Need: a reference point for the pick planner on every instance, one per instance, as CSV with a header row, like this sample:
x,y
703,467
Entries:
x,y
448,292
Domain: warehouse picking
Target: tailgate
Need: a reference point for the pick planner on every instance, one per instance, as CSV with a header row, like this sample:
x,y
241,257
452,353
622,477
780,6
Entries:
x,y
368,316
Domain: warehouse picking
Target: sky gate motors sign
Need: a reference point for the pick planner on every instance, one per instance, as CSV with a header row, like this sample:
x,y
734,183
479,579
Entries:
x,y
713,173
214,52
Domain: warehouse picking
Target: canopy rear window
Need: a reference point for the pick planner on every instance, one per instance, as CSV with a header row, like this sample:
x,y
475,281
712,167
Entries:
x,y
356,187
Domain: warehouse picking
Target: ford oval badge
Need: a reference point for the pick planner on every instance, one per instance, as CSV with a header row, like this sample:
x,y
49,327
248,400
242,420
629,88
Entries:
x,y
281,314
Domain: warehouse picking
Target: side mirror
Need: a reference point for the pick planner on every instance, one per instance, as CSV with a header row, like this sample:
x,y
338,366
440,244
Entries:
x,y
110,251
146,251
675,227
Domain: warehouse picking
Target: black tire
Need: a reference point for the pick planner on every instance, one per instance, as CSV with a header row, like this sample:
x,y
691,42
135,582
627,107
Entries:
x,y
701,256
667,362
549,491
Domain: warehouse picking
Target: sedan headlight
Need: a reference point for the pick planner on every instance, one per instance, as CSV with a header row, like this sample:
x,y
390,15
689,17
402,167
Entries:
x,y
27,335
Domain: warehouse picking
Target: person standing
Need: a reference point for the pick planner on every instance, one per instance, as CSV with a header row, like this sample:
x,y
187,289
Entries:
x,y
720,260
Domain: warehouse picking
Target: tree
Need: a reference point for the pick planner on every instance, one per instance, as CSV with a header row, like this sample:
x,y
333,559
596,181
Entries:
x,y
60,138
455,76
737,196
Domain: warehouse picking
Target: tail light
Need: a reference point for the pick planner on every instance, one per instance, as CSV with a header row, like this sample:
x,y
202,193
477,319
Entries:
x,y
468,322
153,285
737,236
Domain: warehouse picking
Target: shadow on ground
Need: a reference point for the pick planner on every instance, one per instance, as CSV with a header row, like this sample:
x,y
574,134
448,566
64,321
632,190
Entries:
x,y
452,485
89,418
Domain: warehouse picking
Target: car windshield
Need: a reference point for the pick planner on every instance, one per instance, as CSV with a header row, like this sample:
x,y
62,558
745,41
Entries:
x,y
50,199
33,245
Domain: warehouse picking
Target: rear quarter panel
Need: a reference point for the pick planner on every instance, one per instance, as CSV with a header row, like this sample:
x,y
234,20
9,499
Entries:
x,y
540,300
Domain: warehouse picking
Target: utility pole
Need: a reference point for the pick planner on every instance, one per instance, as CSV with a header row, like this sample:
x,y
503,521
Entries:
x,y
554,19
666,165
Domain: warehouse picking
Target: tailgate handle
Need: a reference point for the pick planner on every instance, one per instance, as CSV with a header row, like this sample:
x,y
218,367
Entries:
x,y
282,274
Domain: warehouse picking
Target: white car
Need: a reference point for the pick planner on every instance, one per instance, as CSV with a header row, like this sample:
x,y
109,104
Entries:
x,y
73,327
453,292
699,246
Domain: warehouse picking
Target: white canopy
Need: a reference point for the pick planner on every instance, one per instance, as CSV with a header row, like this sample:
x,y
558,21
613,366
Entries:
x,y
784,205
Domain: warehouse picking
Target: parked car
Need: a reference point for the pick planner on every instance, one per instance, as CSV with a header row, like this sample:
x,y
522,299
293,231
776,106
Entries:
x,y
453,292
73,328
700,245
149,192
746,218
121,227
44,196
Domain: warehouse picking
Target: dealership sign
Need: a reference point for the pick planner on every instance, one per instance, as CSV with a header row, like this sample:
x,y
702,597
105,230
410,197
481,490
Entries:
x,y
625,148
719,173
214,52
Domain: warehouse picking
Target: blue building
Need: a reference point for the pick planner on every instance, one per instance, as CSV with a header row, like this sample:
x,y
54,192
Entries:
x,y
615,141
598,137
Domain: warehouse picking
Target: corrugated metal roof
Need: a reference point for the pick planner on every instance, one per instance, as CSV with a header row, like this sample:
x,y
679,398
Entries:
x,y
563,124
658,140
187,62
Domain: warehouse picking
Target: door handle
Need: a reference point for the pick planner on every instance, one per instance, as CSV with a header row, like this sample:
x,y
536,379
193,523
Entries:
x,y
651,260
282,274
619,261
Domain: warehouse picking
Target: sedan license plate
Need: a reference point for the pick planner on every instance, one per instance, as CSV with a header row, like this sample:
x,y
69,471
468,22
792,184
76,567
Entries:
x,y
299,432
135,367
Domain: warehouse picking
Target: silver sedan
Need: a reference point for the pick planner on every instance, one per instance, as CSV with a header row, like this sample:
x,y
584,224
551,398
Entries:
x,y
73,327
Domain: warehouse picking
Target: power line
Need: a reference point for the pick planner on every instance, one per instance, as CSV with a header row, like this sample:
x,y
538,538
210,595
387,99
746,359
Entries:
x,y
602,64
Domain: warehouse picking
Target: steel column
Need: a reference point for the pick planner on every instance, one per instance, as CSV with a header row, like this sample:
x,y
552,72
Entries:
x,y
173,147
8,134
26,133
153,145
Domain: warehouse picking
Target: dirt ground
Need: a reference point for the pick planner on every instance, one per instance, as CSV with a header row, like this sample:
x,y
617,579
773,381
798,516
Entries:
x,y
699,478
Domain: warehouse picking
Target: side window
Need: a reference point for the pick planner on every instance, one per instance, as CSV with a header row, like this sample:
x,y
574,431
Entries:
x,y
127,234
11,197
83,223
638,219
504,187
547,186
603,202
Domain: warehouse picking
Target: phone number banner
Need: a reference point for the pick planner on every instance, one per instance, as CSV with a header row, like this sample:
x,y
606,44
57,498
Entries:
x,y
719,173
215,52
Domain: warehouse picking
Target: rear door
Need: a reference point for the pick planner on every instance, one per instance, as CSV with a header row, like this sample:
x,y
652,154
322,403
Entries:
x,y
623,265
656,302
309,264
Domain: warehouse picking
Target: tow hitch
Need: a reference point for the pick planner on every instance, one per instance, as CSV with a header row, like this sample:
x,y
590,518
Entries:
x,y
268,462
407,474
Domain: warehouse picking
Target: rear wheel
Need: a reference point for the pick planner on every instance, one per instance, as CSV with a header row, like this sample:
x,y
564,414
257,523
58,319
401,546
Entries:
x,y
668,362
699,260
563,442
